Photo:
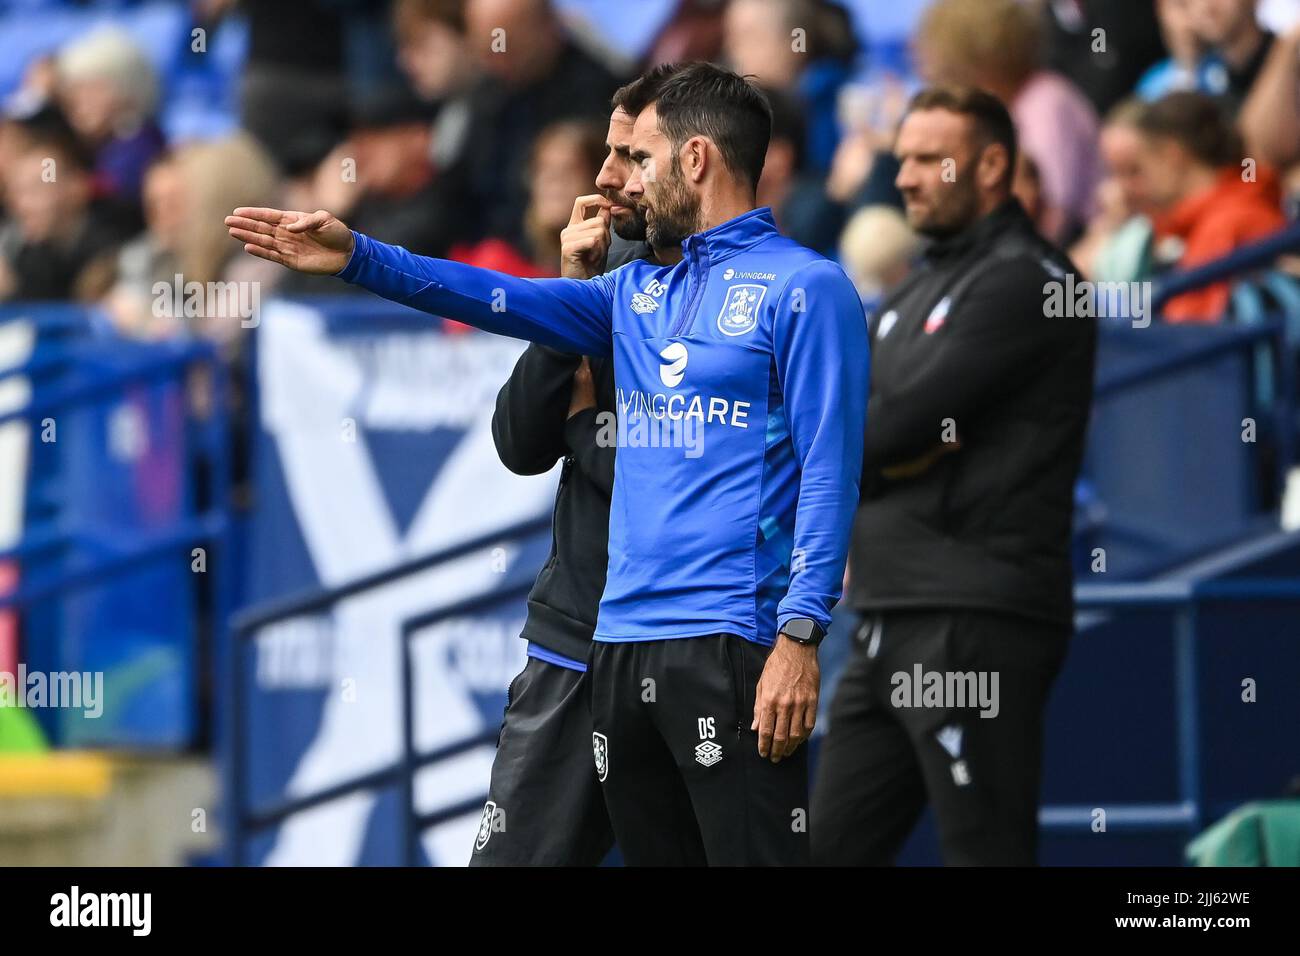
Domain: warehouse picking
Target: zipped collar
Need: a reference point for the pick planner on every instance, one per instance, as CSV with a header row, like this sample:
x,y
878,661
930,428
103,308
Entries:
x,y
731,237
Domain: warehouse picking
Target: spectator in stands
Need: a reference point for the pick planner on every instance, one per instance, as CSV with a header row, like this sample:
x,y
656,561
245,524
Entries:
x,y
863,169
566,158
694,33
183,195
1186,67
877,250
797,196
431,48
384,177
1234,36
802,48
1270,117
1117,244
57,242
433,53
1207,201
1103,66
109,91
536,75
27,121
294,90
997,45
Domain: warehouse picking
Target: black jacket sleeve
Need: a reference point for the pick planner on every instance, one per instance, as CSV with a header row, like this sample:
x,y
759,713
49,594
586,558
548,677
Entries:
x,y
528,426
594,456
997,337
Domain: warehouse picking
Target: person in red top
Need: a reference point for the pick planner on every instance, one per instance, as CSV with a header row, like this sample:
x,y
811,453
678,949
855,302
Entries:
x,y
1207,200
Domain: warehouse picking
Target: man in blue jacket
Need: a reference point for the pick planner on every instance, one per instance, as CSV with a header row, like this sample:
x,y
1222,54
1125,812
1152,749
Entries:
x,y
741,383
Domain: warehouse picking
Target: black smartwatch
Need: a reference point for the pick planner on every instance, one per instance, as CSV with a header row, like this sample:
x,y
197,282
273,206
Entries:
x,y
803,630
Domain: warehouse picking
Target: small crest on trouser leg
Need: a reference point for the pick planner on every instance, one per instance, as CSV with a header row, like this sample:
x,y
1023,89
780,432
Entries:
x,y
485,825
600,750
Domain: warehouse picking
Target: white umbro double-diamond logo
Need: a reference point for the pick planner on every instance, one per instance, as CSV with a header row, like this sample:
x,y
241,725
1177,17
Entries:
x,y
708,753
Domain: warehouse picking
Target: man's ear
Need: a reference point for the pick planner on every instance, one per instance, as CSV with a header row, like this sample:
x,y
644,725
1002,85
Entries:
x,y
695,158
994,166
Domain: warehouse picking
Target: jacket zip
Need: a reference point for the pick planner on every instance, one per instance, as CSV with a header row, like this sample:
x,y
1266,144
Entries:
x,y
695,279
555,510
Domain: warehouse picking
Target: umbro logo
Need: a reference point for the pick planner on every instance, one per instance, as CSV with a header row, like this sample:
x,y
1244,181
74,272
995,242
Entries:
x,y
643,304
646,302
707,753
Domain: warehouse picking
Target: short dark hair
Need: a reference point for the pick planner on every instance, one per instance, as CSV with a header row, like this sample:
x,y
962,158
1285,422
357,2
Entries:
x,y
1197,123
633,97
701,99
992,121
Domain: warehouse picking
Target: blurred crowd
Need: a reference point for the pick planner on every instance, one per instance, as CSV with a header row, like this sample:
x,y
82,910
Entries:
x,y
1156,134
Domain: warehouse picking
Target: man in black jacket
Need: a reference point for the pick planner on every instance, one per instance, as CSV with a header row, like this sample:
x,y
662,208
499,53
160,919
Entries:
x,y
960,559
545,804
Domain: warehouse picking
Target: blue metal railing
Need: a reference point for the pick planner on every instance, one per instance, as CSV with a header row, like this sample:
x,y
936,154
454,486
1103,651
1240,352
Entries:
x,y
1184,597
165,362
246,820
66,373
1257,255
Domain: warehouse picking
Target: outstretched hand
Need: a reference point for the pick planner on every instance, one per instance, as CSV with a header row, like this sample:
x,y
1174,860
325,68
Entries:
x,y
314,242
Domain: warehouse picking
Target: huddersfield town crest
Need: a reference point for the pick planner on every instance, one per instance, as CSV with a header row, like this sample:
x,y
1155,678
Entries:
x,y
485,825
600,750
740,312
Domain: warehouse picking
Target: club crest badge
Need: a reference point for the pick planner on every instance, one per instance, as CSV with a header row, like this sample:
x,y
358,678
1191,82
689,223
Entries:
x,y
938,316
600,750
485,825
740,311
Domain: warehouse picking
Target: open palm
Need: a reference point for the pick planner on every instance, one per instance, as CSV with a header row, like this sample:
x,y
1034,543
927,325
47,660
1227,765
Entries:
x,y
314,242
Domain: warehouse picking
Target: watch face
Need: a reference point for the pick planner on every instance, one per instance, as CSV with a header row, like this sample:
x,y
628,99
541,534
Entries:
x,y
801,629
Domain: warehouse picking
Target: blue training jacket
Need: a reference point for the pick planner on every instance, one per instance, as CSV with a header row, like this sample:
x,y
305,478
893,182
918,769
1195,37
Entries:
x,y
741,379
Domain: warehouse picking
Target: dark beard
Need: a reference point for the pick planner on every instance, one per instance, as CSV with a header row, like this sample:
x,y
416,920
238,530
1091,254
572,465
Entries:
x,y
632,227
676,213
956,215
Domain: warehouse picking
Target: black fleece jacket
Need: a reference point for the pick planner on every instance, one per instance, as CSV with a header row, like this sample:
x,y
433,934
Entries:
x,y
532,431
976,422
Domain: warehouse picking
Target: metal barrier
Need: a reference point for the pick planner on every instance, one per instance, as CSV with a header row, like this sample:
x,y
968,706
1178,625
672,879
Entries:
x,y
83,558
1244,259
1185,598
169,361
245,820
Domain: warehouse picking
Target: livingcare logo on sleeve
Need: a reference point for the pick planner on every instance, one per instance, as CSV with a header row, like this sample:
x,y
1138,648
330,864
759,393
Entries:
x,y
133,910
